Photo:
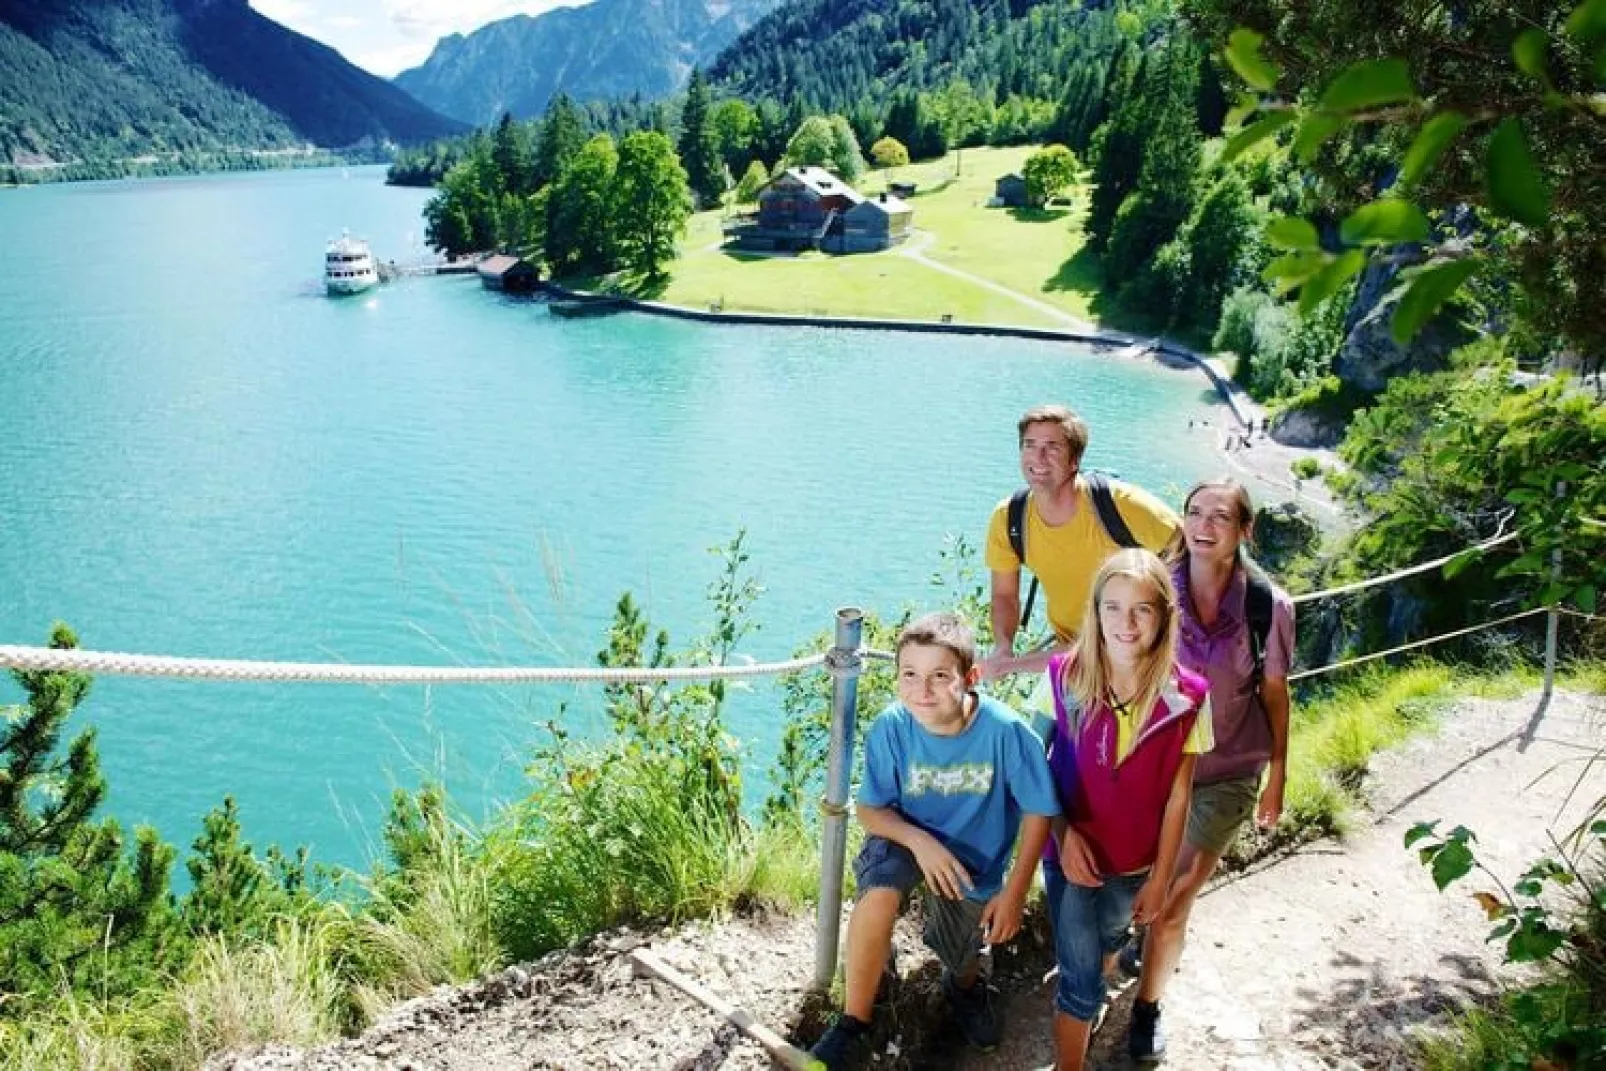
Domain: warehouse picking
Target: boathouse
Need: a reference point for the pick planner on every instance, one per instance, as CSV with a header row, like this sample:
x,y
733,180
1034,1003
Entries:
x,y
513,275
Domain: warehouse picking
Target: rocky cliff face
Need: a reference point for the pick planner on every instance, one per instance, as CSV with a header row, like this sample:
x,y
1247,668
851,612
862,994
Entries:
x,y
609,48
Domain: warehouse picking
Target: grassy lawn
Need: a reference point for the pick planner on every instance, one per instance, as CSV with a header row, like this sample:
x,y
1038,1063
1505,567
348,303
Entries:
x,y
1038,254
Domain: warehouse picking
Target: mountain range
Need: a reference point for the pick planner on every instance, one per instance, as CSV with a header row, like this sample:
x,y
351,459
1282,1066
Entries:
x,y
608,48
112,79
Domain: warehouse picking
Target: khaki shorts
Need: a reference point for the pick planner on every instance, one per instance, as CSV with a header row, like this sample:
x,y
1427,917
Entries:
x,y
1219,810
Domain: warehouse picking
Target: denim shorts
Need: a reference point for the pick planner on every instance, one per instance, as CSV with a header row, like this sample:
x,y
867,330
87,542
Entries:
x,y
1089,924
953,927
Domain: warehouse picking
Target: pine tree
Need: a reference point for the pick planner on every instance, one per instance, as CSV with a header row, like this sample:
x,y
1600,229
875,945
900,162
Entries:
x,y
698,145
510,150
562,134
72,903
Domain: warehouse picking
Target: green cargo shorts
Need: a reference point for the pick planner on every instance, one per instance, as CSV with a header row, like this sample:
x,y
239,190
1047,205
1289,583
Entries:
x,y
1219,810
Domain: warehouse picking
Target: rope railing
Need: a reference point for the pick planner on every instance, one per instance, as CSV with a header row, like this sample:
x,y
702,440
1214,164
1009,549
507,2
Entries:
x,y
108,663
1414,644
1398,574
135,665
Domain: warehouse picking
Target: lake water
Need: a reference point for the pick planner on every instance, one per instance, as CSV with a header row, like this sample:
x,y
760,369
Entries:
x,y
203,455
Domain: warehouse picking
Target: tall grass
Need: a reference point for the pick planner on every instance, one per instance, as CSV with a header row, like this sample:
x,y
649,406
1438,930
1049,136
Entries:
x,y
287,988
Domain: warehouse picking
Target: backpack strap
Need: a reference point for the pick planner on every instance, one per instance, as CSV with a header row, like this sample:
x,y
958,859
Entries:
x,y
1017,542
1258,606
1099,490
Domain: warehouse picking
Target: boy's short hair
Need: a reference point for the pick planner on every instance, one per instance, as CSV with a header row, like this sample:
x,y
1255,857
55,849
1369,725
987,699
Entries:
x,y
946,630
1075,427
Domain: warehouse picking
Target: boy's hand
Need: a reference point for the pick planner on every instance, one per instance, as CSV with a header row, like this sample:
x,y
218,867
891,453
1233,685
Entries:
x,y
1076,860
945,874
1000,919
1150,901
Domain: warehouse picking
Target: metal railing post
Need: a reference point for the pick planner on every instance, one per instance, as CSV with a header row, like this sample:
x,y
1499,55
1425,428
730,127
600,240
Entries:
x,y
1553,620
845,665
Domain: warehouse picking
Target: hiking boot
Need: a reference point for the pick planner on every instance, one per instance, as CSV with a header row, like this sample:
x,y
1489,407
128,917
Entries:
x,y
843,1045
974,1012
1146,1041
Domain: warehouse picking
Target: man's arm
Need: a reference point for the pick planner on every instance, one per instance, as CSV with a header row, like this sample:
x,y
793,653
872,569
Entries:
x,y
1151,898
945,874
1274,698
1005,612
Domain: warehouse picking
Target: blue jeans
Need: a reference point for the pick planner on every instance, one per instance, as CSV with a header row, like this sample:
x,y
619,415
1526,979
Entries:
x,y
1089,924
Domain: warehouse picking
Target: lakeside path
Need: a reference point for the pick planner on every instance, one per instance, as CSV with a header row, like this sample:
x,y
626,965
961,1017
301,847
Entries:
x,y
915,250
1332,956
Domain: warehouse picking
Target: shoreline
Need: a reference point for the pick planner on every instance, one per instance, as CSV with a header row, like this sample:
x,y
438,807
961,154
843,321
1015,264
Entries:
x,y
1261,462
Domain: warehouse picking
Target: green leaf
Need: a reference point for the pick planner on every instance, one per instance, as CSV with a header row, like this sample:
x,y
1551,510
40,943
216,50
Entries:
x,y
1529,51
1585,598
1451,864
1426,292
1243,55
1516,190
1325,283
1385,222
1314,131
1256,132
1369,84
1425,829
1292,232
1291,269
1456,565
1243,109
1588,20
1532,943
1431,141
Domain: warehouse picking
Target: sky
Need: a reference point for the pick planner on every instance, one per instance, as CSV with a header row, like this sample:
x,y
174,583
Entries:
x,y
386,37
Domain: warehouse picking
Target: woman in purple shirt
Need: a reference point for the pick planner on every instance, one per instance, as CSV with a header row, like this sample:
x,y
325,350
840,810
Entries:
x,y
1250,708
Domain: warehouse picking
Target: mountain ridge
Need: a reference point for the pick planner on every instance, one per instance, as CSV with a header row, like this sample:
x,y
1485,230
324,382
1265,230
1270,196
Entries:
x,y
106,80
608,48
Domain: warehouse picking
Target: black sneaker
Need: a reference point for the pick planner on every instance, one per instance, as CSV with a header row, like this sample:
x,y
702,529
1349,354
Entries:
x,y
974,1012
1146,1041
843,1045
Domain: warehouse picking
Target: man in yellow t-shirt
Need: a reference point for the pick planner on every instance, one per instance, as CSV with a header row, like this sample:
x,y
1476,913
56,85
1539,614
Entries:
x,y
1064,539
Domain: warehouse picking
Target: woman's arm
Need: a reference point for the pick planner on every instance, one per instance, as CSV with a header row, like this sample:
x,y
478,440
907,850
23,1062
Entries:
x,y
1274,698
1151,898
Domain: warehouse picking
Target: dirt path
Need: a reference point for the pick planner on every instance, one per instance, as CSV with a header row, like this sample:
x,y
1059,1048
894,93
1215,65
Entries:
x,y
1336,955
1331,957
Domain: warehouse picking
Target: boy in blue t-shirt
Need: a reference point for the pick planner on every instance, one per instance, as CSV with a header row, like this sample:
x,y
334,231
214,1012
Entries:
x,y
950,777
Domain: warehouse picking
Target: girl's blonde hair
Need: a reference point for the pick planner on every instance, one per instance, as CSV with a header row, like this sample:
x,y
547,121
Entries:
x,y
1087,674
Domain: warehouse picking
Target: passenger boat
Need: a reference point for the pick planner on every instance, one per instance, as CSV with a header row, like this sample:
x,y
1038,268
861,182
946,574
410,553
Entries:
x,y
348,266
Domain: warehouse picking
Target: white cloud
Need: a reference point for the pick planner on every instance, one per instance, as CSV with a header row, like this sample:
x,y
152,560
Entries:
x,y
388,36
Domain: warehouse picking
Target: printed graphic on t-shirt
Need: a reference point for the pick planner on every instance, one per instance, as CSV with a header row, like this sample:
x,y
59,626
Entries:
x,y
961,779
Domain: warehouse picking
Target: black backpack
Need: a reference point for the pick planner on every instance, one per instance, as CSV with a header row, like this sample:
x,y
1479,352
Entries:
x,y
1257,591
1098,489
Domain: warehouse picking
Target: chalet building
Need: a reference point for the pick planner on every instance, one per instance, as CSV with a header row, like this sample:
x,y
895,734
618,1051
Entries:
x,y
810,208
872,224
1010,191
510,274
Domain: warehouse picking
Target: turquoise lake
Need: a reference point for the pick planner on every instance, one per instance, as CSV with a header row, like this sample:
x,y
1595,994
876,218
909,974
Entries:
x,y
203,455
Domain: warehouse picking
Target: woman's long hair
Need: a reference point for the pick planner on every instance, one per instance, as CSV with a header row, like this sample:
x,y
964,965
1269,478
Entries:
x,y
1087,675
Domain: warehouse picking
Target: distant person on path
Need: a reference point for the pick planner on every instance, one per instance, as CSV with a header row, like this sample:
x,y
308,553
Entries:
x,y
1129,725
950,777
1061,526
1238,631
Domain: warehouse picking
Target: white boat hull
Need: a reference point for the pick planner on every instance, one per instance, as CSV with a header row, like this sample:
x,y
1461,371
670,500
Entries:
x,y
340,287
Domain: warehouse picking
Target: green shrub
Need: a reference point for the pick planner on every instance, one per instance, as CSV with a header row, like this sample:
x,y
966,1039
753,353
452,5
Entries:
x,y
1306,468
